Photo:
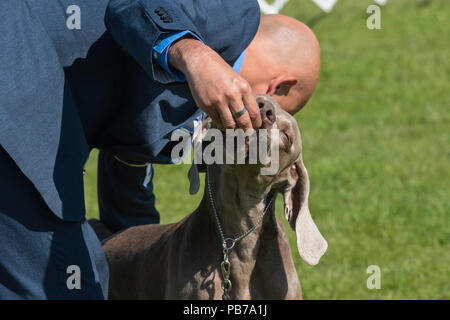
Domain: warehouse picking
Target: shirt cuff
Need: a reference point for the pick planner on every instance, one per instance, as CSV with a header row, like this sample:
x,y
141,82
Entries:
x,y
161,49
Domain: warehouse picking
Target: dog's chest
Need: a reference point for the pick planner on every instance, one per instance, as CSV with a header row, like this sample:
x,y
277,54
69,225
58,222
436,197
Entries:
x,y
206,284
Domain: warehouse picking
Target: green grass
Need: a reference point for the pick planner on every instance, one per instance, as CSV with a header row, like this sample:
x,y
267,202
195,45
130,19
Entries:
x,y
376,144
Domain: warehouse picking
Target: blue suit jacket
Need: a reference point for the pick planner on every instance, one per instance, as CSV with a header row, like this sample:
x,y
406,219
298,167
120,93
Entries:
x,y
64,91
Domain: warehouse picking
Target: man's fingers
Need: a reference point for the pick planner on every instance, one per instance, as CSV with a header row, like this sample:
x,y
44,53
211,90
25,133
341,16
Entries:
x,y
215,118
242,119
252,110
226,118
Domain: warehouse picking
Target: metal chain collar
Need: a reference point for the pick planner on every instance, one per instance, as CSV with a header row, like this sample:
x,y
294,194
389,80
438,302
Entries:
x,y
228,243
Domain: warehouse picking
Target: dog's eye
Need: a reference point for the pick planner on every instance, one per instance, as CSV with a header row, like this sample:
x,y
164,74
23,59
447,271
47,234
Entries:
x,y
287,135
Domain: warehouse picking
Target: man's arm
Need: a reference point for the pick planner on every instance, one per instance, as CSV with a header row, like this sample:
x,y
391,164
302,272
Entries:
x,y
217,89
225,28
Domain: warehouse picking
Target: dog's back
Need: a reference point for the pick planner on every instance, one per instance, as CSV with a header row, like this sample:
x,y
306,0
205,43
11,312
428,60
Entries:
x,y
132,275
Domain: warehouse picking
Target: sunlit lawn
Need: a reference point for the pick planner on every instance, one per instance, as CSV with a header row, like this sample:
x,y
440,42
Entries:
x,y
376,139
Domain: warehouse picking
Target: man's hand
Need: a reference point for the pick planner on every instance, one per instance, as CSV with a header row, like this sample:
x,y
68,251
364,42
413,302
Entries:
x,y
217,89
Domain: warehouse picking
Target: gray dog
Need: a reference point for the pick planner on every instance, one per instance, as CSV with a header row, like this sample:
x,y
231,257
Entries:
x,y
193,259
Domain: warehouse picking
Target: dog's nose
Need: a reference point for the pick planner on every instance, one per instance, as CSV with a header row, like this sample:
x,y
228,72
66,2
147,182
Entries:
x,y
267,110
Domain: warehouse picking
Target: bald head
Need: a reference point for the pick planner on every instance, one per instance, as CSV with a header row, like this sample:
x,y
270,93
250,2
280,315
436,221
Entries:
x,y
283,60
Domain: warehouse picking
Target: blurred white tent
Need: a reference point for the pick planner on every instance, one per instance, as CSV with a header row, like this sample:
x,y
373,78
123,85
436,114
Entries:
x,y
274,7
325,5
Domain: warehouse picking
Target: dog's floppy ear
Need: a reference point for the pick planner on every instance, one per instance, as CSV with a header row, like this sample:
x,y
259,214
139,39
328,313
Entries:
x,y
197,141
194,179
310,243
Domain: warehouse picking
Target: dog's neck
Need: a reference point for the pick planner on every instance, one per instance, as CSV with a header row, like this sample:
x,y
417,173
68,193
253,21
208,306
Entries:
x,y
239,205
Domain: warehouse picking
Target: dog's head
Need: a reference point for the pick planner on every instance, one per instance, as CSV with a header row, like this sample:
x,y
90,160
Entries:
x,y
292,179
281,170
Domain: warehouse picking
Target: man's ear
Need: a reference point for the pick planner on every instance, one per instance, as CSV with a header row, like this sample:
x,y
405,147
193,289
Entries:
x,y
310,243
281,85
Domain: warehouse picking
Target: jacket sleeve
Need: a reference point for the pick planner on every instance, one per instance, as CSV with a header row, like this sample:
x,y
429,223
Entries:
x,y
227,26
